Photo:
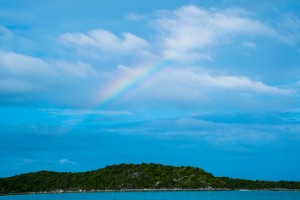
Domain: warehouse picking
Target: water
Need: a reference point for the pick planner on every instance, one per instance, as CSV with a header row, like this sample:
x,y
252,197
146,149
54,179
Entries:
x,y
227,195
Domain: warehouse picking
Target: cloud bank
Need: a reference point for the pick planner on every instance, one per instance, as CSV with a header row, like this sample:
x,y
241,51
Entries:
x,y
189,36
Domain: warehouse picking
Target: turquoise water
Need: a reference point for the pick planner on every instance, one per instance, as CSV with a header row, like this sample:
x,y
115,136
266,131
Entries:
x,y
228,195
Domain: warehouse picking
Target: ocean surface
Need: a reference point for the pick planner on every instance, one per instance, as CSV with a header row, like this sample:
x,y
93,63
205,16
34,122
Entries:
x,y
217,195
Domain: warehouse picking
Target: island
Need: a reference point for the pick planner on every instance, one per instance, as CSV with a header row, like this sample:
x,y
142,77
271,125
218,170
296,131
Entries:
x,y
133,177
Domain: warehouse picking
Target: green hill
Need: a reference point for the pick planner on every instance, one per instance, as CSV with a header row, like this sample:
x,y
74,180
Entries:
x,y
131,177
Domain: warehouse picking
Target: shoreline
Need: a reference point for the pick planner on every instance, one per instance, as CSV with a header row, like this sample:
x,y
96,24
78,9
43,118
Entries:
x,y
125,177
154,190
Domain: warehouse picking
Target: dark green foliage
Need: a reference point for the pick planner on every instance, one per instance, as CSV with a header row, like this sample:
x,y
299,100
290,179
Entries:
x,y
131,176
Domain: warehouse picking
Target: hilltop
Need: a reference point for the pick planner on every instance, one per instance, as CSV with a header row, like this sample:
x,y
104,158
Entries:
x,y
131,177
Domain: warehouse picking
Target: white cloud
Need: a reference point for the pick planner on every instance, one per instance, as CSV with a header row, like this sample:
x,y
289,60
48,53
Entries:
x,y
66,162
23,74
77,112
135,17
19,67
15,63
194,82
194,88
289,28
238,83
250,45
78,69
188,87
105,41
188,32
26,78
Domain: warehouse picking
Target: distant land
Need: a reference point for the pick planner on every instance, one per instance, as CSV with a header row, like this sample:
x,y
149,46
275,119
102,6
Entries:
x,y
132,177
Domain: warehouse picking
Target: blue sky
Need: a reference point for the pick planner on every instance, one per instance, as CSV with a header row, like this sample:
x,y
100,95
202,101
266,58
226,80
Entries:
x,y
85,84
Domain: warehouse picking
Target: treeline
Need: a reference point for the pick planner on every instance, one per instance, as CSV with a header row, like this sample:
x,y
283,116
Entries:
x,y
132,176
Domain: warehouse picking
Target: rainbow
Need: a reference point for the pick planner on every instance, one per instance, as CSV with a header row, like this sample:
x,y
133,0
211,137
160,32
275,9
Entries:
x,y
129,81
122,85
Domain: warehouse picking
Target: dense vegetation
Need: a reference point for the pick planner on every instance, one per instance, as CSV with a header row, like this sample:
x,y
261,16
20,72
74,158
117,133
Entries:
x,y
129,177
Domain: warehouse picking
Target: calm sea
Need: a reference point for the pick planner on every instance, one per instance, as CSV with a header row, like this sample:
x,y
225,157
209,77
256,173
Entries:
x,y
230,195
